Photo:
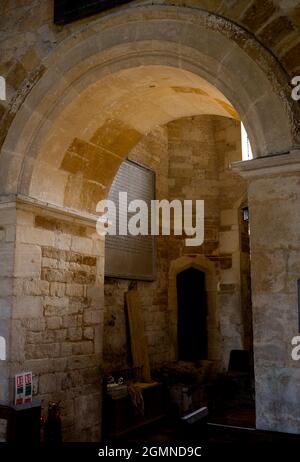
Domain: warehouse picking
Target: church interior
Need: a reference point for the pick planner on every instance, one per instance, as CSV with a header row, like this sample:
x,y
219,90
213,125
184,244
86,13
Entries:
x,y
139,337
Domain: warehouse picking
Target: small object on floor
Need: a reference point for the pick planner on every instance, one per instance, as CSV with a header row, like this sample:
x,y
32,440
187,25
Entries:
x,y
195,416
116,390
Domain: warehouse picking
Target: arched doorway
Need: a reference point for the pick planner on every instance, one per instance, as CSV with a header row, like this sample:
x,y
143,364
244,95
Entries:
x,y
192,315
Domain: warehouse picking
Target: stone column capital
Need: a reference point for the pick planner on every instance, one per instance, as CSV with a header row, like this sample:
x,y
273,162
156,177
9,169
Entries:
x,y
273,164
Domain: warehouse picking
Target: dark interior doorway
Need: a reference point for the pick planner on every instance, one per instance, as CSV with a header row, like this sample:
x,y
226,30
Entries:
x,y
192,315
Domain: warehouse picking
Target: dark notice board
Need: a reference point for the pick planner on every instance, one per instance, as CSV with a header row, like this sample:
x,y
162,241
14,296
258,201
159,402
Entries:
x,y
69,10
131,257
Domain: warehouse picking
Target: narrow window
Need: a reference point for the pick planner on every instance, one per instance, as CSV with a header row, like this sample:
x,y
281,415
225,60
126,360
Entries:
x,y
246,146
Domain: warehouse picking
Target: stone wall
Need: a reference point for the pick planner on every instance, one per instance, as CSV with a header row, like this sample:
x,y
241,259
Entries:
x,y
152,152
191,158
39,61
7,237
235,307
57,314
201,150
275,268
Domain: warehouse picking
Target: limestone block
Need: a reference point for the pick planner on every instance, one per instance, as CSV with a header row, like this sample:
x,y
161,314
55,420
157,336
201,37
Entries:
x,y
278,312
53,275
5,308
63,241
35,325
88,333
57,289
38,366
25,217
98,247
98,342
229,241
87,411
60,335
229,217
39,236
6,259
75,290
75,333
274,221
6,285
277,392
75,306
83,348
7,216
92,317
50,263
37,337
54,322
66,349
35,287
17,347
268,270
80,362
10,234
47,350
82,245
27,261
27,306
59,364
49,383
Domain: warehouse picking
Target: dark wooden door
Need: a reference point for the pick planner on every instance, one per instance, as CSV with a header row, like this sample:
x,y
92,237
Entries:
x,y
192,314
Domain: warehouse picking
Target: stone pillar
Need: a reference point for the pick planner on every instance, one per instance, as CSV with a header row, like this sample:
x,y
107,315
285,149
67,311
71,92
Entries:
x,y
274,205
7,254
51,275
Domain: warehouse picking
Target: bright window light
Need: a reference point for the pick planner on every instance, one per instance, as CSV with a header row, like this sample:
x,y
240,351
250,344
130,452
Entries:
x,y
246,146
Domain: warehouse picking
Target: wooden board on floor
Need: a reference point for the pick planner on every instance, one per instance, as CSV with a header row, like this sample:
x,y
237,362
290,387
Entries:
x,y
138,340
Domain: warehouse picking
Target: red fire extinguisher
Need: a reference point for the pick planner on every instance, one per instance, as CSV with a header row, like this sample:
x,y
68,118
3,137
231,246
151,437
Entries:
x,y
52,426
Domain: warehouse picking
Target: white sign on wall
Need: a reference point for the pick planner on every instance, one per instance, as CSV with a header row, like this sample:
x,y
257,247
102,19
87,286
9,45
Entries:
x,y
23,388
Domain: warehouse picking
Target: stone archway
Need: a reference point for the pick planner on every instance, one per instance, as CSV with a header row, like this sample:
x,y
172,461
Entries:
x,y
223,54
61,109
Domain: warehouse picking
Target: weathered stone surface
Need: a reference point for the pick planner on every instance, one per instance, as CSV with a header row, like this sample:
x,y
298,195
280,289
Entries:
x,y
28,261
49,383
79,307
258,13
276,30
49,299
87,409
27,306
57,289
75,333
191,159
3,430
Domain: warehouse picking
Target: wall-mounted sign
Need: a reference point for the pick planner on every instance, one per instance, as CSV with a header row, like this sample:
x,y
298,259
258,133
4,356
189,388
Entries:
x,y
70,10
23,388
126,256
